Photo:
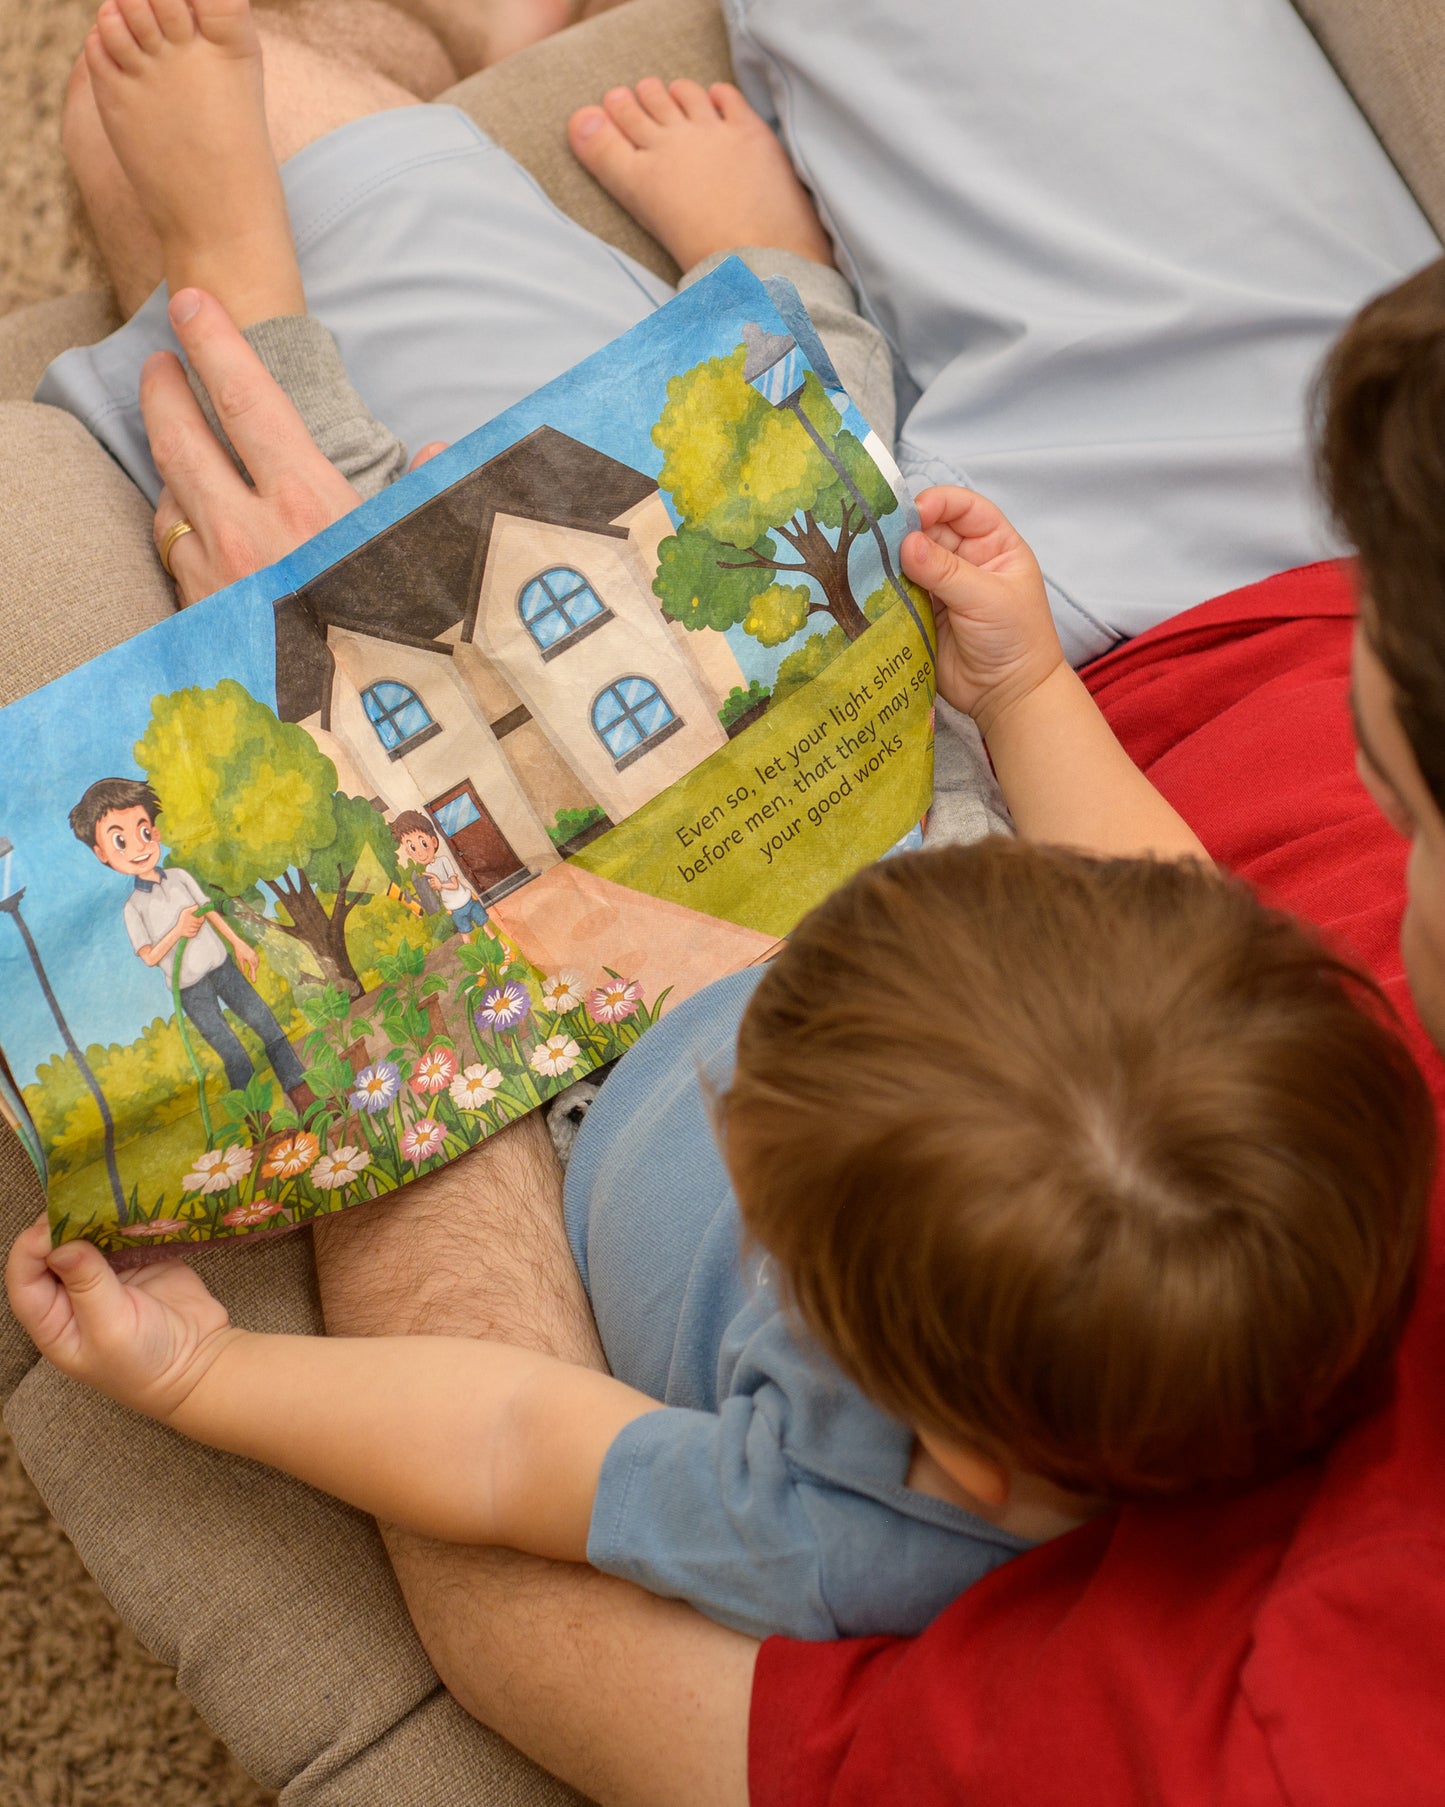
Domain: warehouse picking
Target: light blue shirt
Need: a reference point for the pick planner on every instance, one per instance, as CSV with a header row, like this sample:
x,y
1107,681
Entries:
x,y
773,1494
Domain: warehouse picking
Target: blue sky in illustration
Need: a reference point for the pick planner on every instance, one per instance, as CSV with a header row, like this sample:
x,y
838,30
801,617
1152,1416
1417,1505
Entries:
x,y
84,726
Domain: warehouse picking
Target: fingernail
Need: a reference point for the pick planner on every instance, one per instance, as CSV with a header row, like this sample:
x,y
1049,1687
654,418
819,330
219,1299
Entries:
x,y
185,305
65,1257
588,123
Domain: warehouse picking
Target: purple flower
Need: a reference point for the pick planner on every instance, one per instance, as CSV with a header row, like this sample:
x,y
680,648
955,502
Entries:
x,y
504,1006
376,1086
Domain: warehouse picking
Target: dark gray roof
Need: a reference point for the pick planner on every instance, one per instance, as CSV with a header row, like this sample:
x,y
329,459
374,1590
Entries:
x,y
415,580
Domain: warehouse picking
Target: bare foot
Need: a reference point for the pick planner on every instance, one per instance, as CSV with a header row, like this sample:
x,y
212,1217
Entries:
x,y
699,169
512,25
178,87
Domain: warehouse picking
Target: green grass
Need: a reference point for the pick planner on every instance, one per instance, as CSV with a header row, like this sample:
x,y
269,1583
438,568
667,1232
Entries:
x,y
150,1161
646,851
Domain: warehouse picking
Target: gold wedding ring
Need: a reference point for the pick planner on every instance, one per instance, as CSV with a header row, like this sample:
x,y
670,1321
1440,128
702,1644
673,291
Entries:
x,y
172,534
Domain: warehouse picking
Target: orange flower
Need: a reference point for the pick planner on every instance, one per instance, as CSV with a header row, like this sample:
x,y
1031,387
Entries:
x,y
291,1155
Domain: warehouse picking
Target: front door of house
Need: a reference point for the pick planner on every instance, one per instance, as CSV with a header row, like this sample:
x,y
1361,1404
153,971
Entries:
x,y
478,843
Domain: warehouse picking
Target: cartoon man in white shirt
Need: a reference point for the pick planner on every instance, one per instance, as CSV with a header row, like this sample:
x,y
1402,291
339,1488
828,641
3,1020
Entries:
x,y
116,819
418,841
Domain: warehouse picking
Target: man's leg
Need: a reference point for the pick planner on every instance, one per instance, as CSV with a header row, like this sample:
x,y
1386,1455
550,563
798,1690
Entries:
x,y
1109,245
627,1697
237,992
452,285
201,1004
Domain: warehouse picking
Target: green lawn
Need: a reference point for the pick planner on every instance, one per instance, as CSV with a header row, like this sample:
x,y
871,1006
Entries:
x,y
150,1161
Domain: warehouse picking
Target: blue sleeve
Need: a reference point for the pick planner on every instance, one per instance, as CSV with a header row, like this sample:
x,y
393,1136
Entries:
x,y
703,1507
719,1509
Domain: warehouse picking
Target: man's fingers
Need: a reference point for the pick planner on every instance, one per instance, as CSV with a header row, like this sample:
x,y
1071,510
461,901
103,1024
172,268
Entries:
x,y
260,422
427,453
185,552
202,482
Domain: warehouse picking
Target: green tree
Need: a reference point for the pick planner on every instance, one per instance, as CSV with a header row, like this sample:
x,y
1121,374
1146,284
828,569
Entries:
x,y
760,499
251,806
818,651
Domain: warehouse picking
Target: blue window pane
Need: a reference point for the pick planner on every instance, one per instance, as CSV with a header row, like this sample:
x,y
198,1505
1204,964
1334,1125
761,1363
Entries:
x,y
607,708
628,713
556,604
460,813
411,718
396,712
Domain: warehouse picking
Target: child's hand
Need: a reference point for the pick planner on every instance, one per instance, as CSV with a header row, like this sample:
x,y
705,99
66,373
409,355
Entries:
x,y
144,1339
996,635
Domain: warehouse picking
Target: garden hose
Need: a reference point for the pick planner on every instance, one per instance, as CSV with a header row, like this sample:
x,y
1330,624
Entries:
x,y
196,1066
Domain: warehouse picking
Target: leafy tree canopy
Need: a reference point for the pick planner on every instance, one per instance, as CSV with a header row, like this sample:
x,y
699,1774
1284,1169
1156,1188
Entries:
x,y
701,582
734,464
244,795
778,612
866,477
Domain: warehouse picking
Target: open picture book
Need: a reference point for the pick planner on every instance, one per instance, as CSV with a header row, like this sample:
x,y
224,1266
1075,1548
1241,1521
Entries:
x,y
310,889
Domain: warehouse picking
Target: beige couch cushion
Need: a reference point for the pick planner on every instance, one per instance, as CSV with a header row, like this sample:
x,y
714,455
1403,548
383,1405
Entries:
x,y
1392,56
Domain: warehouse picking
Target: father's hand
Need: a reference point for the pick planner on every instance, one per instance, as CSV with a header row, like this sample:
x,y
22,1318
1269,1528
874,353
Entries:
x,y
238,529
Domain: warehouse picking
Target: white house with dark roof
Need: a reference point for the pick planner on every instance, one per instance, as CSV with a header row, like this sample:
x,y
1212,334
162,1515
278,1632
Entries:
x,y
497,657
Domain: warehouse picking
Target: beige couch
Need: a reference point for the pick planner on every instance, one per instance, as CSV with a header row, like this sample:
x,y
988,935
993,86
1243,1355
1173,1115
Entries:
x,y
293,1580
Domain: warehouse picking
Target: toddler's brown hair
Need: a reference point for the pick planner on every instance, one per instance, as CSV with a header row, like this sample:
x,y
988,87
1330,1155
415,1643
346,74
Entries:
x,y
1097,1165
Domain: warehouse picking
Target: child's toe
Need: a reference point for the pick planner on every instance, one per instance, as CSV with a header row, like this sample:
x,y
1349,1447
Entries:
x,y
692,98
176,20
653,96
597,142
98,61
729,102
140,16
624,110
115,35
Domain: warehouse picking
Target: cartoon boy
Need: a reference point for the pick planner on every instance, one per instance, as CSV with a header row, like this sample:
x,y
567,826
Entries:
x,y
116,819
418,841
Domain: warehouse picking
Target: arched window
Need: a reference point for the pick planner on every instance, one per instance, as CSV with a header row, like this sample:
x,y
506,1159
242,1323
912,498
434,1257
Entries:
x,y
631,715
559,605
399,716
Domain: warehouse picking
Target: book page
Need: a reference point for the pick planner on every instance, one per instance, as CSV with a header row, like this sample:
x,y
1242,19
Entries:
x,y
311,889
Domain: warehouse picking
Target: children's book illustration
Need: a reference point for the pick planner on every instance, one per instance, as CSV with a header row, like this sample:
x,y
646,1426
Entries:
x,y
372,853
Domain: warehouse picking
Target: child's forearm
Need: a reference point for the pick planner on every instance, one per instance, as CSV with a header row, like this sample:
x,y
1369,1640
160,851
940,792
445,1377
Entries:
x,y
472,1442
1068,782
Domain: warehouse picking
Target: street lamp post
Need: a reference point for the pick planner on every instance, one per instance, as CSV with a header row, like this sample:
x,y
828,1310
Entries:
x,y
10,904
778,371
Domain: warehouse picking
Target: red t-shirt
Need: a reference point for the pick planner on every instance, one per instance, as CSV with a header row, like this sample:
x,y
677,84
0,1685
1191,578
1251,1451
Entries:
x,y
1287,1646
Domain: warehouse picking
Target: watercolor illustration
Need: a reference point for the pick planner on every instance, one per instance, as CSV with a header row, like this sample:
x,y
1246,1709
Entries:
x,y
381,849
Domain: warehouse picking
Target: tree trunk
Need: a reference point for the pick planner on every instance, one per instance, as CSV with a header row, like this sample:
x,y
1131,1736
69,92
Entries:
x,y
324,935
828,563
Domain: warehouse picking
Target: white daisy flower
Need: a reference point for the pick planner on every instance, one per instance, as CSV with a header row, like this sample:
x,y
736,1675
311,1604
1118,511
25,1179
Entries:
x,y
340,1168
562,993
475,1087
558,1054
218,1169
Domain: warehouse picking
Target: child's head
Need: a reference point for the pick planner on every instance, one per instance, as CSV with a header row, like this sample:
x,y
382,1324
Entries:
x,y
1097,1168
415,836
116,819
